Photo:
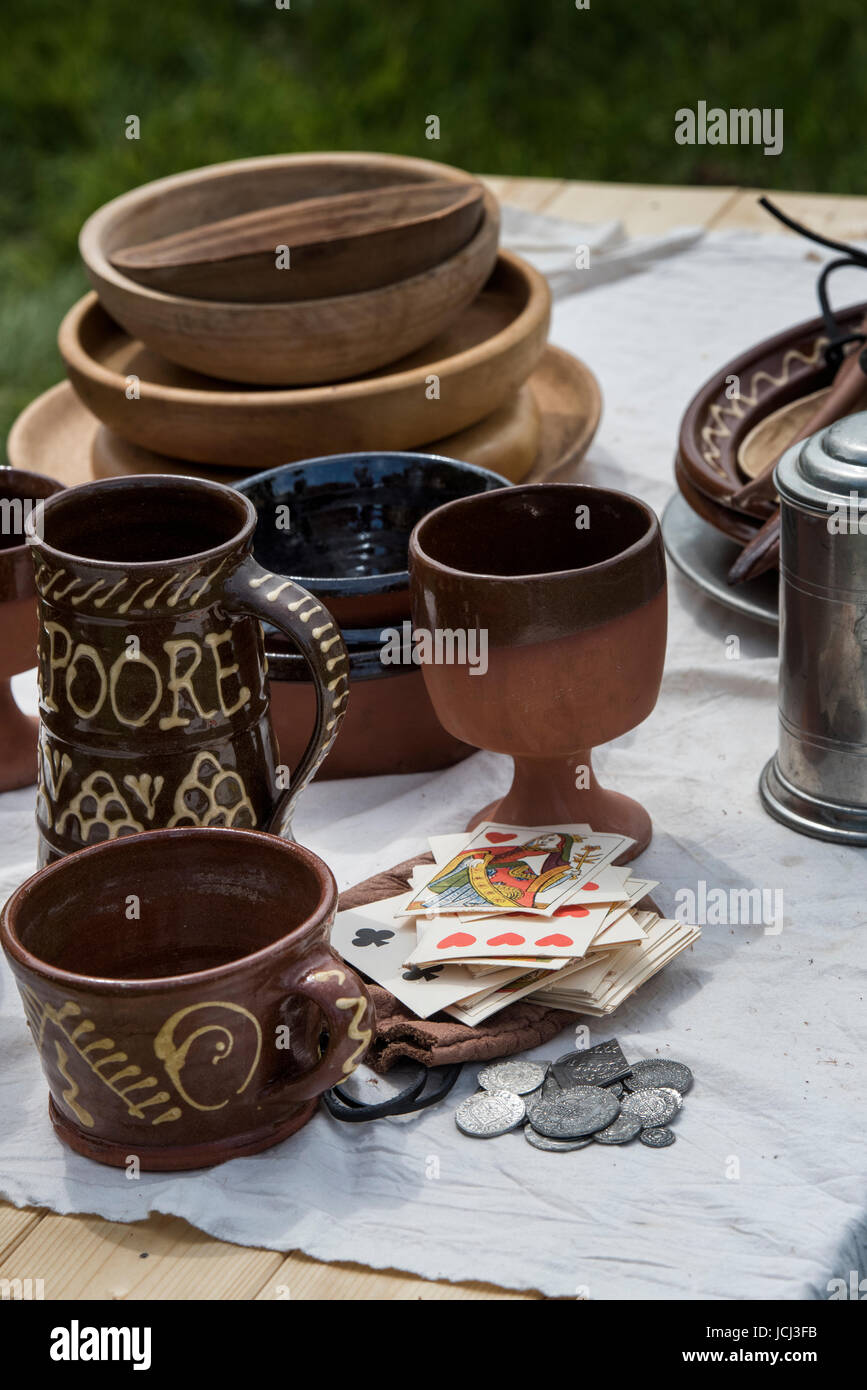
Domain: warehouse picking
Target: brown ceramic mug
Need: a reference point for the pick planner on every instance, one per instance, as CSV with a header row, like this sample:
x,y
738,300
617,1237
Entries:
x,y
176,984
20,492
567,584
153,697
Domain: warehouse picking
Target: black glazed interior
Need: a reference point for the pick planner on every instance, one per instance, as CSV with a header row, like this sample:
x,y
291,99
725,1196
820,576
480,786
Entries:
x,y
142,520
524,531
203,903
351,515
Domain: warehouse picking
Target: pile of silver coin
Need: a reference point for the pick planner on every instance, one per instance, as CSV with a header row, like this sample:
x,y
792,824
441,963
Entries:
x,y
594,1096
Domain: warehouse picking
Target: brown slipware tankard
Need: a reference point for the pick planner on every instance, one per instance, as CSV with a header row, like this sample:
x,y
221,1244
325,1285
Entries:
x,y
176,985
153,698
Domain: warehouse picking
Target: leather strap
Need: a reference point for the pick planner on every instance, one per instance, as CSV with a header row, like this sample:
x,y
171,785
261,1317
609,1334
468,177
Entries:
x,y
345,1107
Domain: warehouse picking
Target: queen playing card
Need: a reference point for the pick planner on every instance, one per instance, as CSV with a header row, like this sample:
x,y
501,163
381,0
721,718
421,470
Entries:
x,y
510,868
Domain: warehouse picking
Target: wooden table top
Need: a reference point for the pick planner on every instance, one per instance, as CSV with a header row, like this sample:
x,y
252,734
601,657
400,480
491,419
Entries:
x,y
84,1257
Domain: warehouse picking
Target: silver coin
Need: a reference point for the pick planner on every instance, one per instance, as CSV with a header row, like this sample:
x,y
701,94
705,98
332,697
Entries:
x,y
659,1071
620,1131
573,1113
488,1114
595,1066
520,1077
657,1137
541,1141
676,1097
652,1107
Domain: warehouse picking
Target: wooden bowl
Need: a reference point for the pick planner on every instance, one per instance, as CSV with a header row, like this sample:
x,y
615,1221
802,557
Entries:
x,y
335,245
479,363
298,342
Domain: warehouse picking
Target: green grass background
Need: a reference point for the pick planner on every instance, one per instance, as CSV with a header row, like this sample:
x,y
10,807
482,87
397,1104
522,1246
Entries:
x,y
520,86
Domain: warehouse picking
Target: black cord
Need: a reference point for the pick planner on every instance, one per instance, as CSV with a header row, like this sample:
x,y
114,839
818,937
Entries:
x,y
852,256
351,1111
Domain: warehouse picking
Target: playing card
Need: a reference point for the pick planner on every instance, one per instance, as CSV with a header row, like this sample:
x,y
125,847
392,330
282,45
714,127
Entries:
x,y
531,935
360,936
607,886
445,847
474,1012
504,868
486,967
628,969
385,910
627,928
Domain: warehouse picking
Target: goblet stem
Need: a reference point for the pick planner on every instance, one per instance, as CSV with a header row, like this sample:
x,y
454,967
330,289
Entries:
x,y
18,734
561,791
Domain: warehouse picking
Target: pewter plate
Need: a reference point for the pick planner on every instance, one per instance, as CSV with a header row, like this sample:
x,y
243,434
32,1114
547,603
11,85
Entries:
x,y
705,556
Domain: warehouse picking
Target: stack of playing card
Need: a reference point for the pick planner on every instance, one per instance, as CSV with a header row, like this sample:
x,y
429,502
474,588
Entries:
x,y
507,912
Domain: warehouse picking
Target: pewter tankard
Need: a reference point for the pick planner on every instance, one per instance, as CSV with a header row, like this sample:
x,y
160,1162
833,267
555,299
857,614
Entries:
x,y
817,781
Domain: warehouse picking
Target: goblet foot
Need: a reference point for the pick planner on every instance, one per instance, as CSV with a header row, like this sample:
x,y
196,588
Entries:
x,y
18,736
544,792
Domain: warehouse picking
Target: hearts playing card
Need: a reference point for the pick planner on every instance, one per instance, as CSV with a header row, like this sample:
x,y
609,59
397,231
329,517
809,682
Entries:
x,y
508,868
524,936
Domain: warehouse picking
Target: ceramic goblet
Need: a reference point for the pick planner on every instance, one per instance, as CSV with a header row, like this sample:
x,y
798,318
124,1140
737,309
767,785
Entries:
x,y
567,585
20,492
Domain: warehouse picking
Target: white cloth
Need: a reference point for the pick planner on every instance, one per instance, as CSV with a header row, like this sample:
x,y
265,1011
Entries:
x,y
762,1195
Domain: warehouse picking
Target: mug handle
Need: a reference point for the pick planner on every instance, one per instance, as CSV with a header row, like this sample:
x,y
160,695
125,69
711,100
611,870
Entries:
x,y
347,1009
275,599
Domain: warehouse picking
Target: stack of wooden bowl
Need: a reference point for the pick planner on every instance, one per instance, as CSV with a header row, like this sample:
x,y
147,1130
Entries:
x,y
268,310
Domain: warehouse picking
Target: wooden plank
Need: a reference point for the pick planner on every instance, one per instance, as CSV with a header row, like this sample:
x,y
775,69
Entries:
x,y
15,1222
533,195
303,1279
643,209
842,218
84,1257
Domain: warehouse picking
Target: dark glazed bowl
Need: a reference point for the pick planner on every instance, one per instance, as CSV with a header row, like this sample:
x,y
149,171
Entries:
x,y
349,521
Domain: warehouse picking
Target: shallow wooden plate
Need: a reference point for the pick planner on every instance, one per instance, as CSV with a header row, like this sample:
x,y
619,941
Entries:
x,y
55,435
460,378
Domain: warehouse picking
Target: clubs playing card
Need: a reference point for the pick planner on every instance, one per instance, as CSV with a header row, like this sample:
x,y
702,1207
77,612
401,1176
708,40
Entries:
x,y
380,952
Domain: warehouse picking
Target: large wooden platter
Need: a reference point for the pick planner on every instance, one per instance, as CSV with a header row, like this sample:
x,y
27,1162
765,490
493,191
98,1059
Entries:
x,y
57,436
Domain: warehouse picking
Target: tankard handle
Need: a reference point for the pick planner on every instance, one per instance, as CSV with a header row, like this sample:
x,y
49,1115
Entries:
x,y
276,599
